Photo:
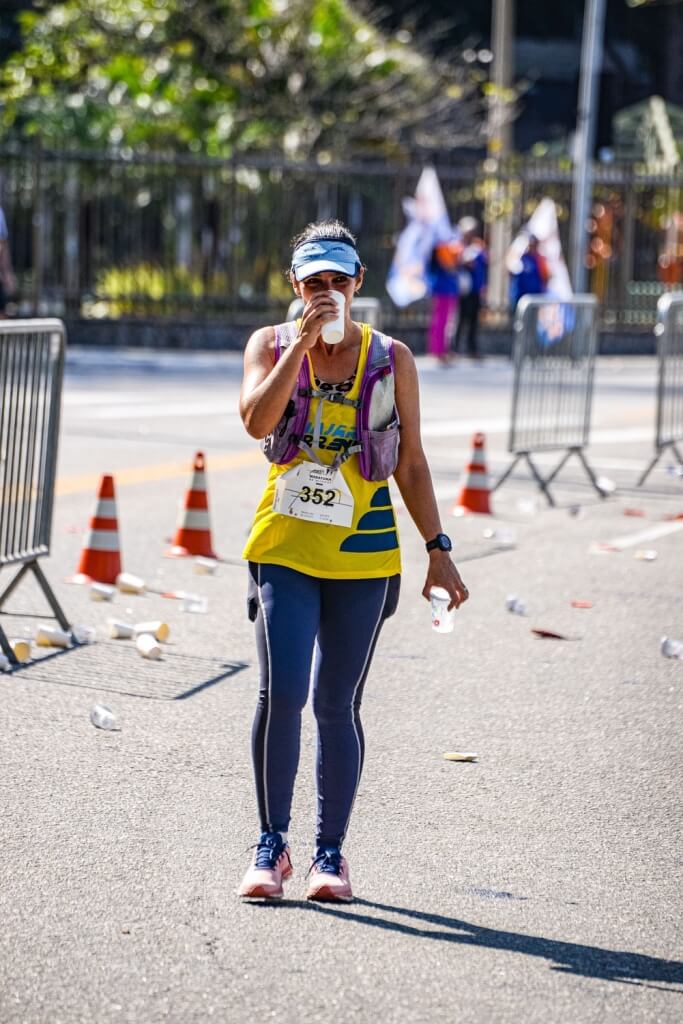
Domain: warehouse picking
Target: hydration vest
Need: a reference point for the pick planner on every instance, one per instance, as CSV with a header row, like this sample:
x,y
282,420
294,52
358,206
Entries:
x,y
377,420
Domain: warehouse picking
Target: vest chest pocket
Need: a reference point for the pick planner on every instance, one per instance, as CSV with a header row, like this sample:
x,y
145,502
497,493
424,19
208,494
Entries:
x,y
382,448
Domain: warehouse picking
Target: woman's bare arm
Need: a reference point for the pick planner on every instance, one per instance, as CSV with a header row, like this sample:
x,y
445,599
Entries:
x,y
415,481
266,385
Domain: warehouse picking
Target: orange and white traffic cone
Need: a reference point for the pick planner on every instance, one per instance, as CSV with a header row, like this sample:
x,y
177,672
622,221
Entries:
x,y
101,555
474,495
193,532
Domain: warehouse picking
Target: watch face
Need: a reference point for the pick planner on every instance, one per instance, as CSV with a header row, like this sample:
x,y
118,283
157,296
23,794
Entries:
x,y
444,542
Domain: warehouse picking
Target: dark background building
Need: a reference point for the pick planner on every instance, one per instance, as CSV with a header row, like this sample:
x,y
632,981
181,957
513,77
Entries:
x,y
642,56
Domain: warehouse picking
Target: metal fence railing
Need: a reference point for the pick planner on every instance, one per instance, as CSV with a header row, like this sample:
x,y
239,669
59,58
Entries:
x,y
133,235
555,345
669,332
31,372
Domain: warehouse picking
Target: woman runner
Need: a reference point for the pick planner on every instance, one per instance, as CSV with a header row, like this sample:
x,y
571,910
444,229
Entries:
x,y
323,577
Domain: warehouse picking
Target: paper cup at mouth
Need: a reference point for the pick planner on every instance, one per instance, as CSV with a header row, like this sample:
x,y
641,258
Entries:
x,y
332,332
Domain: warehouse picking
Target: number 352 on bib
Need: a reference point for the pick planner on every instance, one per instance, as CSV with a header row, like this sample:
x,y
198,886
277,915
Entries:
x,y
315,493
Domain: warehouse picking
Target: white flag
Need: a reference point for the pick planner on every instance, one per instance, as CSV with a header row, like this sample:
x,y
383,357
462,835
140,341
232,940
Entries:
x,y
428,223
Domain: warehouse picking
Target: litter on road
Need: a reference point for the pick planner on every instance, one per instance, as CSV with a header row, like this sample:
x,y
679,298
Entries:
x,y
515,605
550,634
120,630
50,636
205,566
159,630
84,634
454,755
101,592
582,604
130,584
148,646
671,648
103,717
648,555
21,649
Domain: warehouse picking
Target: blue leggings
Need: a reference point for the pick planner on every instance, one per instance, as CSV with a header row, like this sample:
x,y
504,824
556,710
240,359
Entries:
x,y
324,630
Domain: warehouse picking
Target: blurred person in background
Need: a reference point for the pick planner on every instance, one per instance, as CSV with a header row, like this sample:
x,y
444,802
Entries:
x,y
442,274
529,273
472,278
8,283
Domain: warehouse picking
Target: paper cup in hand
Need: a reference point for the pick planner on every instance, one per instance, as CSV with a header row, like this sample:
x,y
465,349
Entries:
x,y
443,620
333,331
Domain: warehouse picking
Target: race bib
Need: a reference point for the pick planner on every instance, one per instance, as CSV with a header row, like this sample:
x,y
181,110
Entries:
x,y
318,494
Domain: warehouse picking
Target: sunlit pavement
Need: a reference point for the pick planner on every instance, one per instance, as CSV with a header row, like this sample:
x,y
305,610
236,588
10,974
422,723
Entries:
x,y
539,883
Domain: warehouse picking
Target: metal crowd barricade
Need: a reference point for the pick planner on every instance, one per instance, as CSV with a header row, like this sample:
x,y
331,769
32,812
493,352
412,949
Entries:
x,y
31,373
363,308
669,332
555,345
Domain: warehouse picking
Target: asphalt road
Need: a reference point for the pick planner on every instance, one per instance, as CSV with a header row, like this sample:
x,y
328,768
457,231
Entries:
x,y
541,883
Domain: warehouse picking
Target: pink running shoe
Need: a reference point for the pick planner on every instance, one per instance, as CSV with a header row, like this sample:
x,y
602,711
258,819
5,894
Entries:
x,y
329,877
270,868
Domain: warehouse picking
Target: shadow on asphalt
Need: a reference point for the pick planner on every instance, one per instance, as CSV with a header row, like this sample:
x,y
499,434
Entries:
x,y
82,666
567,957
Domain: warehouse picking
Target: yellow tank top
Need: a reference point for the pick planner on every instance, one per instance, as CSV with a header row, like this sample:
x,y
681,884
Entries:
x,y
369,548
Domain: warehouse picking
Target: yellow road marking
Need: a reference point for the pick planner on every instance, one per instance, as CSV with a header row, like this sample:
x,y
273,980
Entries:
x,y
148,474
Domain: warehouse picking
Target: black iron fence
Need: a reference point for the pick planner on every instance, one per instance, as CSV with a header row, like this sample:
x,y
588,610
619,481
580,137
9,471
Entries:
x,y
102,235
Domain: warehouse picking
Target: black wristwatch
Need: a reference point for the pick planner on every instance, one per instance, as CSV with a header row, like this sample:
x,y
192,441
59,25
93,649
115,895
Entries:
x,y
441,541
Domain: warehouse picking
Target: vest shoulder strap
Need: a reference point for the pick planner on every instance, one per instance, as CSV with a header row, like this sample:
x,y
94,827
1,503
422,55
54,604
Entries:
x,y
285,335
381,352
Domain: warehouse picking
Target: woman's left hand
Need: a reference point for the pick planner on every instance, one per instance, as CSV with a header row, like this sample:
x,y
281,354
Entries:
x,y
443,573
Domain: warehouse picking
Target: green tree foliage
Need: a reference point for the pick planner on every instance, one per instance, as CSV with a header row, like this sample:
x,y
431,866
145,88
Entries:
x,y
300,78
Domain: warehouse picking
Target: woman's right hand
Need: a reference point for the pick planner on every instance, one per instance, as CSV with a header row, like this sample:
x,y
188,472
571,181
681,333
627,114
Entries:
x,y
319,309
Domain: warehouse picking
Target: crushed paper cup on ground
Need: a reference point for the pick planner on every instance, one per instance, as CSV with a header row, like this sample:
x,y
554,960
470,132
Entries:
x,y
205,566
51,636
606,485
120,630
671,648
582,604
454,755
21,649
130,584
101,592
635,512
159,630
646,555
5,664
148,646
84,634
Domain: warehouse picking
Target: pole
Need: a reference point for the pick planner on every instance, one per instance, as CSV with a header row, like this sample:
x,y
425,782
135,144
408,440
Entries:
x,y
591,62
499,146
